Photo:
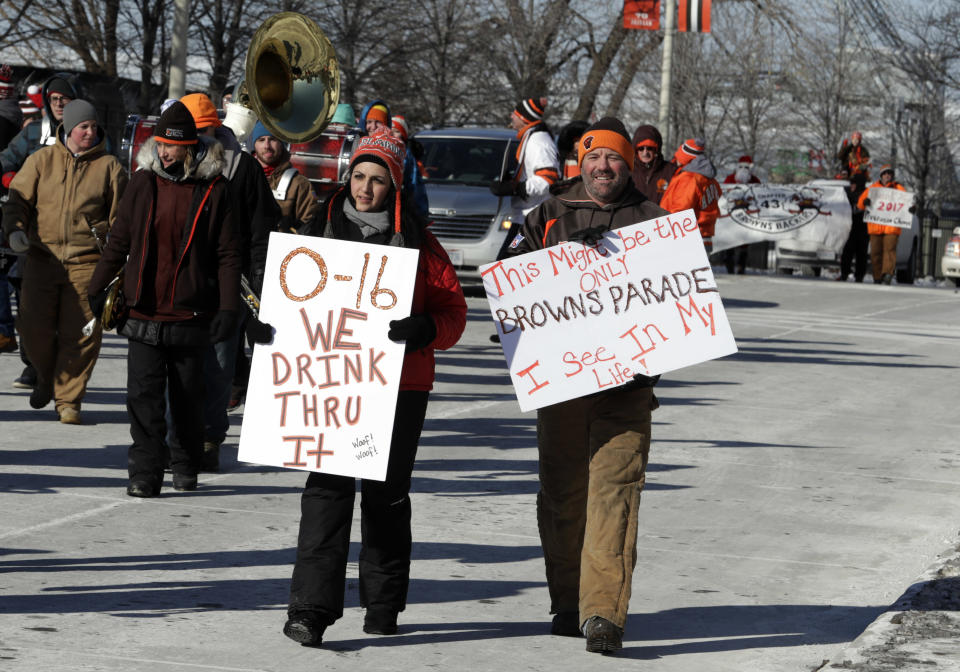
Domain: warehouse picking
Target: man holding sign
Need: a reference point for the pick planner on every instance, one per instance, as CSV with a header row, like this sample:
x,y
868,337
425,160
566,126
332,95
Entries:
x,y
373,209
883,229
593,450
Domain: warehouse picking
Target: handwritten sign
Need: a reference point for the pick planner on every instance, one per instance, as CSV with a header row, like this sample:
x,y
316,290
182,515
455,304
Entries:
x,y
816,212
322,395
574,319
889,207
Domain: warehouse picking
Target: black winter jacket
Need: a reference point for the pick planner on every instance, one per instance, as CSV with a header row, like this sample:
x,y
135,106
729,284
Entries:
x,y
207,278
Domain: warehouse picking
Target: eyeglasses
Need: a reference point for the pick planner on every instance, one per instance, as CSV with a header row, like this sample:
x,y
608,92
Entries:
x,y
59,100
646,148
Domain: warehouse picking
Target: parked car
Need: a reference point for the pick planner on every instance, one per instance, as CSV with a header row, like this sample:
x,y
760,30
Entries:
x,y
950,261
458,166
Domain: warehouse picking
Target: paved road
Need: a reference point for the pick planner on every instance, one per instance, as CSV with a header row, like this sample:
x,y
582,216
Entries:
x,y
795,490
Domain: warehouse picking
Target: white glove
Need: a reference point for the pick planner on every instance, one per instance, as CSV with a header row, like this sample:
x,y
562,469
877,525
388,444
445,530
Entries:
x,y
18,242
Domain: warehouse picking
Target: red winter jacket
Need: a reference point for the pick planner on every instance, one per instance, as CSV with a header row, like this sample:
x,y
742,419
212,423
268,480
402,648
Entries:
x,y
436,290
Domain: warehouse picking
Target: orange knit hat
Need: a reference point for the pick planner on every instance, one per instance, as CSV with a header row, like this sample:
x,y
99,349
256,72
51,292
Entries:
x,y
609,133
203,110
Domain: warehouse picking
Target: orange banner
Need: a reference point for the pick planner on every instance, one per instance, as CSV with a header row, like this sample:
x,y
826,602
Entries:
x,y
641,14
693,16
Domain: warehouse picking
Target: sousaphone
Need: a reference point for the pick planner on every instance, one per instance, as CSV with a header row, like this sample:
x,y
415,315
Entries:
x,y
291,78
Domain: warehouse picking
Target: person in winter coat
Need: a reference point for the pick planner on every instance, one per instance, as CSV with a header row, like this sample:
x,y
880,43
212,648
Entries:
x,y
735,258
412,167
694,186
593,450
375,117
255,214
11,116
54,94
538,166
568,147
854,255
372,208
178,247
883,239
854,156
11,120
292,191
62,203
651,172
57,91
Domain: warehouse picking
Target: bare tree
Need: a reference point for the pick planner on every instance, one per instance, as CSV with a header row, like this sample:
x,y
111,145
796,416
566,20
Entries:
x,y
88,28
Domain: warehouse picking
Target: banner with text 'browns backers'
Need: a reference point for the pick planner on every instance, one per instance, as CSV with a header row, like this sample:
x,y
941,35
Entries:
x,y
641,14
322,395
816,214
574,319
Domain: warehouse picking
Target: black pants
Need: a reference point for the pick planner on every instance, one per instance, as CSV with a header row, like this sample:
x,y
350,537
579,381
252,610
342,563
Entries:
x,y
319,575
735,259
855,250
150,369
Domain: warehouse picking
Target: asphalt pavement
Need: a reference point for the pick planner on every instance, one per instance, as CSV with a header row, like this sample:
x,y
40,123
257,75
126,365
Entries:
x,y
800,514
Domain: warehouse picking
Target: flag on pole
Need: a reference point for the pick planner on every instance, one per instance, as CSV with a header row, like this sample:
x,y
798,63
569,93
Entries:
x,y
641,14
693,16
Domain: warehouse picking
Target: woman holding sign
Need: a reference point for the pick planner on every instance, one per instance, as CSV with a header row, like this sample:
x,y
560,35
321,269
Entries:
x,y
883,239
372,208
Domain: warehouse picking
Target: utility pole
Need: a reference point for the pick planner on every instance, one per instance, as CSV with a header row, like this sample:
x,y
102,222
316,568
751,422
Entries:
x,y
178,50
666,68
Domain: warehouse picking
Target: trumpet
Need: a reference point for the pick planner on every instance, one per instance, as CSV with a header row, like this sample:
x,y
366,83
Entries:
x,y
249,296
115,305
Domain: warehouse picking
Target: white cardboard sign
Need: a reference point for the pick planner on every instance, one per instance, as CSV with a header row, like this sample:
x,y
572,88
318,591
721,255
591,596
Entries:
x,y
575,319
322,395
889,207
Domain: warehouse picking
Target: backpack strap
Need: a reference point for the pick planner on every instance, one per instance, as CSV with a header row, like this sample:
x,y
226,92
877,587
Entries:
x,y
280,193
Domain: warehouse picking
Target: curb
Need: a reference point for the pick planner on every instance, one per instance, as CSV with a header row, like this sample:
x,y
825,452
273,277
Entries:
x,y
921,630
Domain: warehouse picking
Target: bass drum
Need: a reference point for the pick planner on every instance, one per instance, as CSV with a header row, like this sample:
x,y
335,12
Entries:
x,y
324,160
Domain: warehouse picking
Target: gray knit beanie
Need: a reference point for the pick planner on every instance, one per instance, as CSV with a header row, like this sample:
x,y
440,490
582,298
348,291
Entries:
x,y
75,112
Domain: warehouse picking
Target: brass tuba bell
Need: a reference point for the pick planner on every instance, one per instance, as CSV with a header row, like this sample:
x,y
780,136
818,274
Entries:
x,y
291,78
115,306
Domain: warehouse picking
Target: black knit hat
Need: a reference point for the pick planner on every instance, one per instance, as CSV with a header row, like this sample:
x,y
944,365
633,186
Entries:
x,y
61,86
176,126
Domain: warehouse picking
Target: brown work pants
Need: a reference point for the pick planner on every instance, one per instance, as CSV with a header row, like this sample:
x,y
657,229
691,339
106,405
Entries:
x,y
883,254
53,313
593,460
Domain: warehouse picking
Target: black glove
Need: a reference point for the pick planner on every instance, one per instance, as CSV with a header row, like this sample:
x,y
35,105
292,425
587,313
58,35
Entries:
x,y
223,325
912,209
417,330
641,380
259,332
866,201
97,302
503,187
589,236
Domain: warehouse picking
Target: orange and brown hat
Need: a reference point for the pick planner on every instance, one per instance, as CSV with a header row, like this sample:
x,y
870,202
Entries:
x,y
203,110
531,109
176,126
688,151
383,148
609,133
